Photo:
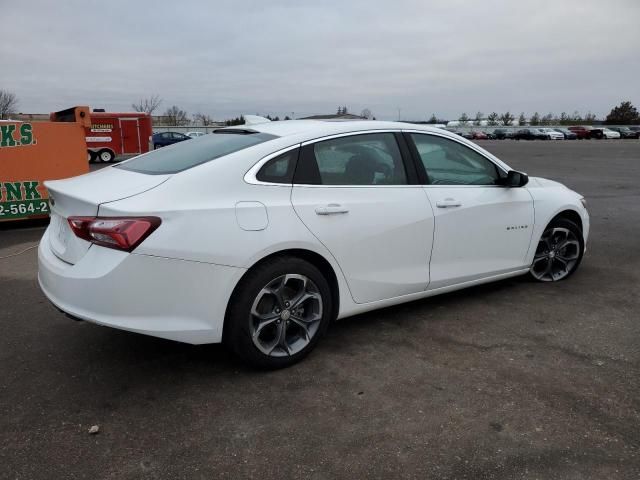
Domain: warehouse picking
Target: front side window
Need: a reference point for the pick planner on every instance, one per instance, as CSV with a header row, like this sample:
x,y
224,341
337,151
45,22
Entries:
x,y
450,163
367,159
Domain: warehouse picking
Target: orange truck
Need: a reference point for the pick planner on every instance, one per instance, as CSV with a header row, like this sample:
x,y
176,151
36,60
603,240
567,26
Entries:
x,y
31,153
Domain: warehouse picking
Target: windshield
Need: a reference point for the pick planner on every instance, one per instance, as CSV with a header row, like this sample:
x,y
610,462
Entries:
x,y
187,154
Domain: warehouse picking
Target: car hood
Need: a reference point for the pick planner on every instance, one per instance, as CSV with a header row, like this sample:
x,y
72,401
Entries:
x,y
539,182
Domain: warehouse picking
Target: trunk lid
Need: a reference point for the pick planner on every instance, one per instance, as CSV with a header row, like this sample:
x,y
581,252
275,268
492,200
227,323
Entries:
x,y
82,196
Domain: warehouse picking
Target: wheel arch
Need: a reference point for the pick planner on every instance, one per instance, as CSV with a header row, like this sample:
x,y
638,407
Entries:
x,y
314,258
569,214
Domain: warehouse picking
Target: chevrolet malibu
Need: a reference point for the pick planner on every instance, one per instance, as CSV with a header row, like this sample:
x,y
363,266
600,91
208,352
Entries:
x,y
259,236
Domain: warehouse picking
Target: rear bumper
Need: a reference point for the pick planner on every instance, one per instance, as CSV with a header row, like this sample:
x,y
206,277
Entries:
x,y
168,298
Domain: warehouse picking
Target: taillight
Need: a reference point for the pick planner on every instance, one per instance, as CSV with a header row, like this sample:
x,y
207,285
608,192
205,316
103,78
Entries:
x,y
121,233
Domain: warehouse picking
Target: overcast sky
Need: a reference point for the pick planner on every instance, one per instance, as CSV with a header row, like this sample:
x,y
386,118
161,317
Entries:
x,y
277,57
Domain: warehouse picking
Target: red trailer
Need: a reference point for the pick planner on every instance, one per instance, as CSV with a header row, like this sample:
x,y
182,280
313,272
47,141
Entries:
x,y
112,134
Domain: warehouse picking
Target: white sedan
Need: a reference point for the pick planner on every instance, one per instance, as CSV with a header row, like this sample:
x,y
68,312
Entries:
x,y
260,236
607,133
551,133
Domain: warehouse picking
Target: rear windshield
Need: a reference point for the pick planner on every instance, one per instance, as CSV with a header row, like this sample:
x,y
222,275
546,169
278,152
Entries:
x,y
189,153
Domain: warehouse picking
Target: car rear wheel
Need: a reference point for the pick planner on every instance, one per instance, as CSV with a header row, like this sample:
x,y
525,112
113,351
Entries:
x,y
559,252
278,313
91,156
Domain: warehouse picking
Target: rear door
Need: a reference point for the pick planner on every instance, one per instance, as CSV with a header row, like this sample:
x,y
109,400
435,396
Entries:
x,y
356,195
481,228
130,135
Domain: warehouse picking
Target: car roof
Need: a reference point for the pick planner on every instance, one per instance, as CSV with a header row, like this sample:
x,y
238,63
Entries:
x,y
311,129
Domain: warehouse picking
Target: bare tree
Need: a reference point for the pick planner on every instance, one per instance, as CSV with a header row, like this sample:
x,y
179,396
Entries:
x,y
478,119
147,105
535,119
463,119
507,119
548,119
565,119
176,116
576,117
366,113
8,104
203,119
522,120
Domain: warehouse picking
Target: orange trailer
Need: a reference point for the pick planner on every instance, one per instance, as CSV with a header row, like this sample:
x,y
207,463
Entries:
x,y
31,153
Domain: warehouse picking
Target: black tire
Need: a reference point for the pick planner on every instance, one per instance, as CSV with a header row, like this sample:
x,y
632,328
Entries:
x,y
91,156
105,156
240,324
542,252
156,146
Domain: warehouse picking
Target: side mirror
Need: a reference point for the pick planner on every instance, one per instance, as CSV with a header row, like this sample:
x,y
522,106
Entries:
x,y
516,179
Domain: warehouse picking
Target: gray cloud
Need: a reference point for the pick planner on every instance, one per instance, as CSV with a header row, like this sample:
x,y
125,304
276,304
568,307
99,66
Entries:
x,y
280,57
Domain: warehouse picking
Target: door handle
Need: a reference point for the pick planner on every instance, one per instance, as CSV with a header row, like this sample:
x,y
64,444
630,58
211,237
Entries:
x,y
331,209
448,203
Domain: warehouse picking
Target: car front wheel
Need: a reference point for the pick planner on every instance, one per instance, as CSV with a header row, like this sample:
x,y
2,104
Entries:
x,y
278,312
559,252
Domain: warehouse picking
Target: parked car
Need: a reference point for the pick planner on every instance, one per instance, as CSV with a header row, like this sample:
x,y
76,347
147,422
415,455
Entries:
x,y
635,128
167,138
596,132
551,134
568,134
626,132
478,135
502,133
193,243
195,134
587,132
530,134
490,136
608,133
583,133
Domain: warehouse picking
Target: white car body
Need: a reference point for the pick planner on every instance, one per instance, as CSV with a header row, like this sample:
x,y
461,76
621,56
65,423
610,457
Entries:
x,y
606,133
397,243
552,134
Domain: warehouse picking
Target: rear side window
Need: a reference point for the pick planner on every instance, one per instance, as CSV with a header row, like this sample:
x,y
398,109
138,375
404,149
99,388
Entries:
x,y
279,169
184,155
368,159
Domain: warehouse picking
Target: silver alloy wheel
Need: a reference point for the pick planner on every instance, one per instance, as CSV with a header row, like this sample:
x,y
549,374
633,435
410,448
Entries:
x,y
556,256
285,315
106,156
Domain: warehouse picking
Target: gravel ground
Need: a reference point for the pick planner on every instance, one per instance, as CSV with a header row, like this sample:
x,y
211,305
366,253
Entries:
x,y
509,380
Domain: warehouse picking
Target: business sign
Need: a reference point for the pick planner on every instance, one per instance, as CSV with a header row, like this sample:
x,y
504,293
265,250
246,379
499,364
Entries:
x,y
16,135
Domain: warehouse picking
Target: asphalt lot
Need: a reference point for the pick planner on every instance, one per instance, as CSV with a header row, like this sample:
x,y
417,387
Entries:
x,y
509,380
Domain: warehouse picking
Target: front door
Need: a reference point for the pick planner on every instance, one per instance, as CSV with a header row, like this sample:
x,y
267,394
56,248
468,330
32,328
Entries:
x,y
481,228
352,193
